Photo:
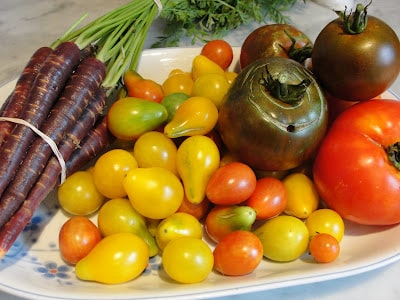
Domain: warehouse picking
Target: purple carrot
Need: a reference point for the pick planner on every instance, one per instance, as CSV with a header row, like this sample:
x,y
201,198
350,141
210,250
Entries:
x,y
50,176
49,83
16,101
76,95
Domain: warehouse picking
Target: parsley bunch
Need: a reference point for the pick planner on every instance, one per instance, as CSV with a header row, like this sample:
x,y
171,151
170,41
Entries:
x,y
202,19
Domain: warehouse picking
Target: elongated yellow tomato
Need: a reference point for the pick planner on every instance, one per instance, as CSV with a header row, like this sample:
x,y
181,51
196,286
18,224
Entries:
x,y
195,116
154,149
302,196
203,65
155,192
197,159
117,258
211,86
117,215
178,225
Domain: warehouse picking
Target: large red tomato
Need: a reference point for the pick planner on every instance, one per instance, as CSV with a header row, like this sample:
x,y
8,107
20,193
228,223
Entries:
x,y
356,170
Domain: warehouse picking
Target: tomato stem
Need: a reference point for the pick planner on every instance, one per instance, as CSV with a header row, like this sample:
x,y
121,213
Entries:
x,y
280,89
355,22
299,54
393,152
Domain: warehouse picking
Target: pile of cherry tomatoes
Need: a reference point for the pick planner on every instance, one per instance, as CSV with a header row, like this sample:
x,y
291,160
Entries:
x,y
173,190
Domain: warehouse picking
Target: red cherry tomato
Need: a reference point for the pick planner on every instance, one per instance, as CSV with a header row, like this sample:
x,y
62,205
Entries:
x,y
324,248
238,253
219,51
269,198
231,184
77,237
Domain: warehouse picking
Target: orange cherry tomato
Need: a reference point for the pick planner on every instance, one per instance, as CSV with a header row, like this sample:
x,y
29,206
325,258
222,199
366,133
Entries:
x,y
77,237
231,184
324,248
269,198
219,51
238,253
146,89
197,210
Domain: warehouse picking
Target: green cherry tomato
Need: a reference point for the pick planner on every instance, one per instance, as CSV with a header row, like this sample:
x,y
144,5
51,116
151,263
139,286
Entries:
x,y
130,117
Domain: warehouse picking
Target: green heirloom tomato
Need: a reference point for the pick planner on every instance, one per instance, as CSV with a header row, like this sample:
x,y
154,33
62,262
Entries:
x,y
130,117
274,115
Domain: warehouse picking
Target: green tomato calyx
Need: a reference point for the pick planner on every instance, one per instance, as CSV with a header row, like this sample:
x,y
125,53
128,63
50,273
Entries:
x,y
299,54
354,22
280,89
393,152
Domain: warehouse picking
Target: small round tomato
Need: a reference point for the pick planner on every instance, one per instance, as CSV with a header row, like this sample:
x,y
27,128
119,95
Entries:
x,y
326,220
269,198
154,149
187,260
146,89
324,248
238,253
77,237
78,194
231,184
284,238
154,192
117,258
219,51
110,170
177,225
178,83
302,196
211,86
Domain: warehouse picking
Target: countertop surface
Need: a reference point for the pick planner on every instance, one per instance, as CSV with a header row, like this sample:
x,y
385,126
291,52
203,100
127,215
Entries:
x,y
27,25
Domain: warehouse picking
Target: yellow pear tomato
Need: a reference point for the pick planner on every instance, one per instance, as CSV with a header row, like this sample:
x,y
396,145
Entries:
x,y
154,192
194,116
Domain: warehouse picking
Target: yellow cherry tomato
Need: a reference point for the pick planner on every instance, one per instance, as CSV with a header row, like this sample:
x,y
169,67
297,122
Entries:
x,y
187,260
178,83
212,86
302,195
154,192
110,170
117,258
197,159
155,149
326,221
284,238
78,194
203,65
194,116
177,225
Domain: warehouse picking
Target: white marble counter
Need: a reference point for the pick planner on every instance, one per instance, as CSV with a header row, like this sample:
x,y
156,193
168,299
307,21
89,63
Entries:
x,y
26,25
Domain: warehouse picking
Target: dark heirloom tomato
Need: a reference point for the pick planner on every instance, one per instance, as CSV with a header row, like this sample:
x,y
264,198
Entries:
x,y
275,40
268,133
356,66
356,170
